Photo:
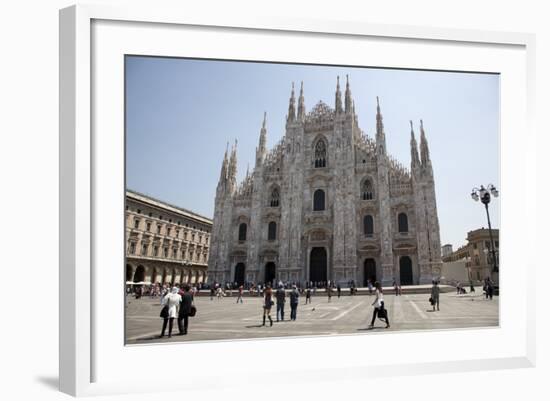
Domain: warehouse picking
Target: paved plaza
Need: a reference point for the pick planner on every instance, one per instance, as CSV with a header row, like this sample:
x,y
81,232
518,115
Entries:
x,y
225,319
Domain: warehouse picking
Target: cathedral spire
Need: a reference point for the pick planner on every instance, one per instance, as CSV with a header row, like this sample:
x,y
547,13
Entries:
x,y
223,172
380,135
301,103
291,106
232,170
261,149
348,101
424,151
338,97
415,162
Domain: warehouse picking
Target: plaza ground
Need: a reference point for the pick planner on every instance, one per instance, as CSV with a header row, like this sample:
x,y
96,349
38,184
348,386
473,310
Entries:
x,y
225,319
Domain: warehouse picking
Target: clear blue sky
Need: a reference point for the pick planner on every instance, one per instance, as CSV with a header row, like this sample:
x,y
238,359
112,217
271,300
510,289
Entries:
x,y
181,113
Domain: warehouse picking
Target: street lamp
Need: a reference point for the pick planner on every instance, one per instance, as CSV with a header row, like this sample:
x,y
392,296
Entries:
x,y
484,195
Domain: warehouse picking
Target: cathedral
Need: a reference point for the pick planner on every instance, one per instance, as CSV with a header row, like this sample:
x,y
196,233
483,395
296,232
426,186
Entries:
x,y
327,203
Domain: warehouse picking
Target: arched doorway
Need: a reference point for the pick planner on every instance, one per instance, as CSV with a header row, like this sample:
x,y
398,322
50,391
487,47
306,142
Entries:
x,y
239,273
129,273
369,271
139,274
405,270
270,273
318,265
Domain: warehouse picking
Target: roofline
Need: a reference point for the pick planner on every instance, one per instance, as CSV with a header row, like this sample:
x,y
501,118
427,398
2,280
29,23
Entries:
x,y
159,203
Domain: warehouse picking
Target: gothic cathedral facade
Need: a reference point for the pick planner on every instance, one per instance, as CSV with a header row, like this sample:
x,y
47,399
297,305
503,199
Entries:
x,y
327,203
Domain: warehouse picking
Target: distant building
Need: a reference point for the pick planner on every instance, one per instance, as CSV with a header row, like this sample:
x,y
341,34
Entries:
x,y
476,254
165,244
446,250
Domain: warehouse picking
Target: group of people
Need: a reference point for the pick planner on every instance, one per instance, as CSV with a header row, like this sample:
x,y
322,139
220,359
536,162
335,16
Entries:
x,y
280,297
177,304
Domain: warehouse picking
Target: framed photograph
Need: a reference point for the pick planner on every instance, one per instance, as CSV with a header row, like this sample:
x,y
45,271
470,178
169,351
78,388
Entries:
x,y
316,189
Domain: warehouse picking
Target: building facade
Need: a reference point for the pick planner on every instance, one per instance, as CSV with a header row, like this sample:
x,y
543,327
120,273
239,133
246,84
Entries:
x,y
165,244
476,254
327,203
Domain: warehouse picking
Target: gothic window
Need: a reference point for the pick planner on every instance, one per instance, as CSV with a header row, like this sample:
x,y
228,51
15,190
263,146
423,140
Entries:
x,y
319,200
272,231
320,154
242,232
368,225
274,201
403,223
367,191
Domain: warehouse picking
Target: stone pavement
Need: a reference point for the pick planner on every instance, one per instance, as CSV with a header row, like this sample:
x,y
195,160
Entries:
x,y
224,319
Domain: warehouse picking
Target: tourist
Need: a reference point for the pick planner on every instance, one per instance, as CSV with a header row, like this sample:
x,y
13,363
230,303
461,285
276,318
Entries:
x,y
212,293
338,290
379,310
435,294
329,292
219,293
308,295
171,301
489,288
280,295
369,285
395,287
240,296
185,310
294,300
268,303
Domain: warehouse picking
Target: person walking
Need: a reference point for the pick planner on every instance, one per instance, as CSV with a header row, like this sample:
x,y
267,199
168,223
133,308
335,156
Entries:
x,y
329,293
281,299
435,294
308,295
240,295
379,310
268,303
489,288
294,300
369,285
185,310
338,290
172,301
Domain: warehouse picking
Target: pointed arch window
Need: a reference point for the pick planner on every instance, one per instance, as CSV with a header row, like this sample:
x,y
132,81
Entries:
x,y
403,223
242,232
320,154
368,225
367,190
272,231
275,196
319,200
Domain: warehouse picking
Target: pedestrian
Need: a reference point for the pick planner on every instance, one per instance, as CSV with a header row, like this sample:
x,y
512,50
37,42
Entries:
x,y
458,288
395,288
472,289
379,310
435,294
369,286
338,290
490,289
185,310
171,301
329,292
240,295
212,293
268,303
308,295
280,295
294,299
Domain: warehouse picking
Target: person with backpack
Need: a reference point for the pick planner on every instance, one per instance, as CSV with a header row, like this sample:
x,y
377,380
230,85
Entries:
x,y
379,310
280,295
294,300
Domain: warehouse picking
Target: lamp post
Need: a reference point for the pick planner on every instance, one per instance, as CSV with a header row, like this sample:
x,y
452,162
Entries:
x,y
484,195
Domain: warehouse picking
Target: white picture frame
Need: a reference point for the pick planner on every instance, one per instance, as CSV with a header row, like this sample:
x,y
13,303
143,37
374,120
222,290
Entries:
x,y
92,362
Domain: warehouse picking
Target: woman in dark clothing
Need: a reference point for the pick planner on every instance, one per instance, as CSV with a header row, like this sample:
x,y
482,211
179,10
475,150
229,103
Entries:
x,y
268,303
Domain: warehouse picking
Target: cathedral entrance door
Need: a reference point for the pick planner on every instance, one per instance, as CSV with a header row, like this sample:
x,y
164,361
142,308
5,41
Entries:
x,y
270,273
318,265
369,272
239,273
405,270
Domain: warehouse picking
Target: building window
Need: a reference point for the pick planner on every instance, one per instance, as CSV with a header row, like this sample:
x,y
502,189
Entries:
x,y
132,248
158,228
177,233
175,253
193,237
272,231
156,251
274,202
136,223
165,252
496,244
367,191
242,232
319,200
403,223
368,225
144,249
168,231
148,226
320,154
